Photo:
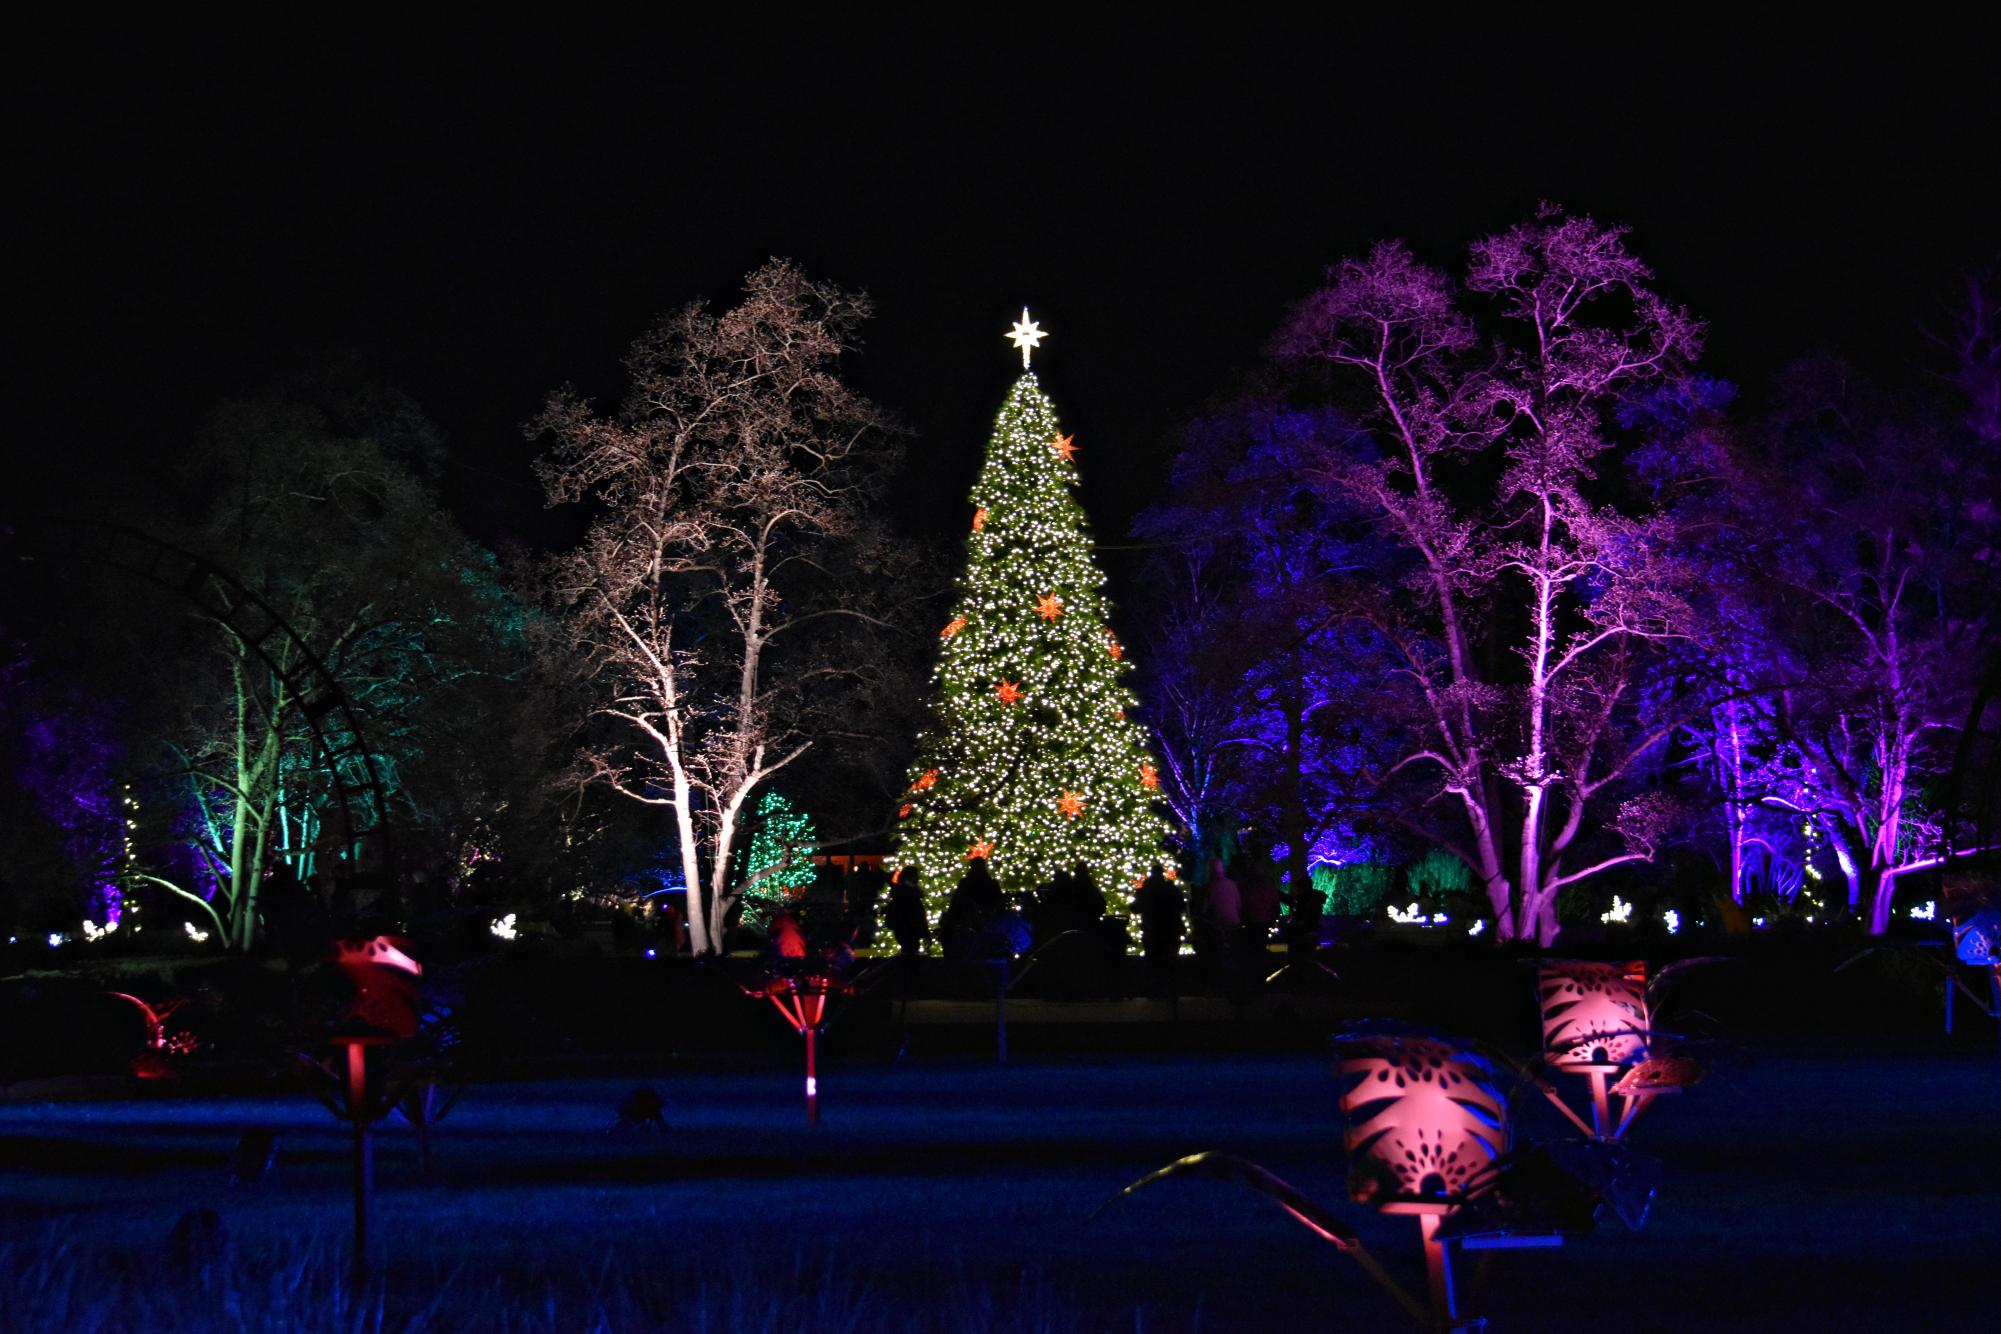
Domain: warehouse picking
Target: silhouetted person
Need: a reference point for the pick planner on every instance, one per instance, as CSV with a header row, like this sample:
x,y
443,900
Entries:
x,y
906,917
865,892
976,901
1090,899
1260,905
1158,904
1224,903
1222,915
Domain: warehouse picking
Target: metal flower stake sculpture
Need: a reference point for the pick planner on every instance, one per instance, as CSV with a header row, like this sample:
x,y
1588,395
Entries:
x,y
801,984
1597,1023
386,1010
1430,1123
154,1060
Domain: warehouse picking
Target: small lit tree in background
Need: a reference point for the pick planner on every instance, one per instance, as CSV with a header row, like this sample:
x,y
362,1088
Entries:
x,y
778,860
1031,759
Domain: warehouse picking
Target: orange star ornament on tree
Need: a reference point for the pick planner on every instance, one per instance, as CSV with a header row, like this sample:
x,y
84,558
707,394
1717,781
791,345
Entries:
x,y
1065,447
929,779
1149,776
1009,692
1071,804
1114,647
979,518
952,627
980,851
1049,607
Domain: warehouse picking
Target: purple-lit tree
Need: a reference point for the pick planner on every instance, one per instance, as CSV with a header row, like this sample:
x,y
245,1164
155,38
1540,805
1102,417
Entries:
x,y
63,765
1529,602
1880,609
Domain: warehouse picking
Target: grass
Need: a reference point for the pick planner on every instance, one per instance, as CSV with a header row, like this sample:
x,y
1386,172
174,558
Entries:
x,y
1829,1185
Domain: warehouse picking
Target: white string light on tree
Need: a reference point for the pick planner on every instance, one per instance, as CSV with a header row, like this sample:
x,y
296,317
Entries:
x,y
1032,760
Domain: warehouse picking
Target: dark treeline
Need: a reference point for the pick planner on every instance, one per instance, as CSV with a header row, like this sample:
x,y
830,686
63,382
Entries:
x,y
1479,571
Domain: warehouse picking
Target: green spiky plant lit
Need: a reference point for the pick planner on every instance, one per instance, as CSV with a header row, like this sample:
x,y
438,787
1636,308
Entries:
x,y
1031,757
778,862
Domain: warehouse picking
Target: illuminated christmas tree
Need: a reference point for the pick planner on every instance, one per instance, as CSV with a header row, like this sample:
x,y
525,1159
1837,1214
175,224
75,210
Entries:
x,y
778,861
1031,758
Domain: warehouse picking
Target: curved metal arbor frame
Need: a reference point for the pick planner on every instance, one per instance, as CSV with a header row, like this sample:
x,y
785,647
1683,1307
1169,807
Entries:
x,y
355,783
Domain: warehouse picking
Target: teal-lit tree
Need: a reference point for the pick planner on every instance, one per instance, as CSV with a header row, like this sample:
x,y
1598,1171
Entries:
x,y
778,860
1031,758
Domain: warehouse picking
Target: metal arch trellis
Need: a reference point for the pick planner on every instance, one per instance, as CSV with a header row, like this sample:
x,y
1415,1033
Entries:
x,y
350,764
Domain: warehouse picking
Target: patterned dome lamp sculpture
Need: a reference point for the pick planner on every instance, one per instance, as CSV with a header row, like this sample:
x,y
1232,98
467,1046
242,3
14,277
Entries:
x,y
1430,1135
1597,1023
1427,1122
1976,942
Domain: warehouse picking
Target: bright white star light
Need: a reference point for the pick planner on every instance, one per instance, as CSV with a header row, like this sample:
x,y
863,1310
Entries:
x,y
1025,335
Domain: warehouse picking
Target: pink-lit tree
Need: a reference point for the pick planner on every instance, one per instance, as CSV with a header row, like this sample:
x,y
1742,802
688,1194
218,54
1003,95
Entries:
x,y
712,609
1489,463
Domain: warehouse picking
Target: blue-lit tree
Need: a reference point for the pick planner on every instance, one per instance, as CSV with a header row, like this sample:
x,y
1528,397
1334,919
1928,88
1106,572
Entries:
x,y
1255,694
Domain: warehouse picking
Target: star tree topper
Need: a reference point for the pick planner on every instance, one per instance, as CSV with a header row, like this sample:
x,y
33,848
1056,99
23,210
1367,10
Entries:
x,y
1025,335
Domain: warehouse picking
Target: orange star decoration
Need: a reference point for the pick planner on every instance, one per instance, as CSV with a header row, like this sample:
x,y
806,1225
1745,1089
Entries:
x,y
952,627
1065,447
1173,874
1149,776
1009,692
1049,608
930,778
1114,647
980,851
1071,805
979,518
1139,882
903,812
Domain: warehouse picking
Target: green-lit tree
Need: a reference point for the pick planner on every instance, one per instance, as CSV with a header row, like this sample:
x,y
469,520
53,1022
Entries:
x,y
778,861
1030,758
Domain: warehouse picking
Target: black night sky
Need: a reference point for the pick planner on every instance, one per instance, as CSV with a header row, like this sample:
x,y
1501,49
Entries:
x,y
484,215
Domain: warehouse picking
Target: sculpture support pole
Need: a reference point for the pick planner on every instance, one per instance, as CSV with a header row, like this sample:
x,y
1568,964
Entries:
x,y
364,1156
1601,1104
1000,1011
812,1075
1438,1274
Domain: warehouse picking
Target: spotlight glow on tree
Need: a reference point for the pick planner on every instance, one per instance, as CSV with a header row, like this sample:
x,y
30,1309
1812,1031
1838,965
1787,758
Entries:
x,y
778,863
1030,758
